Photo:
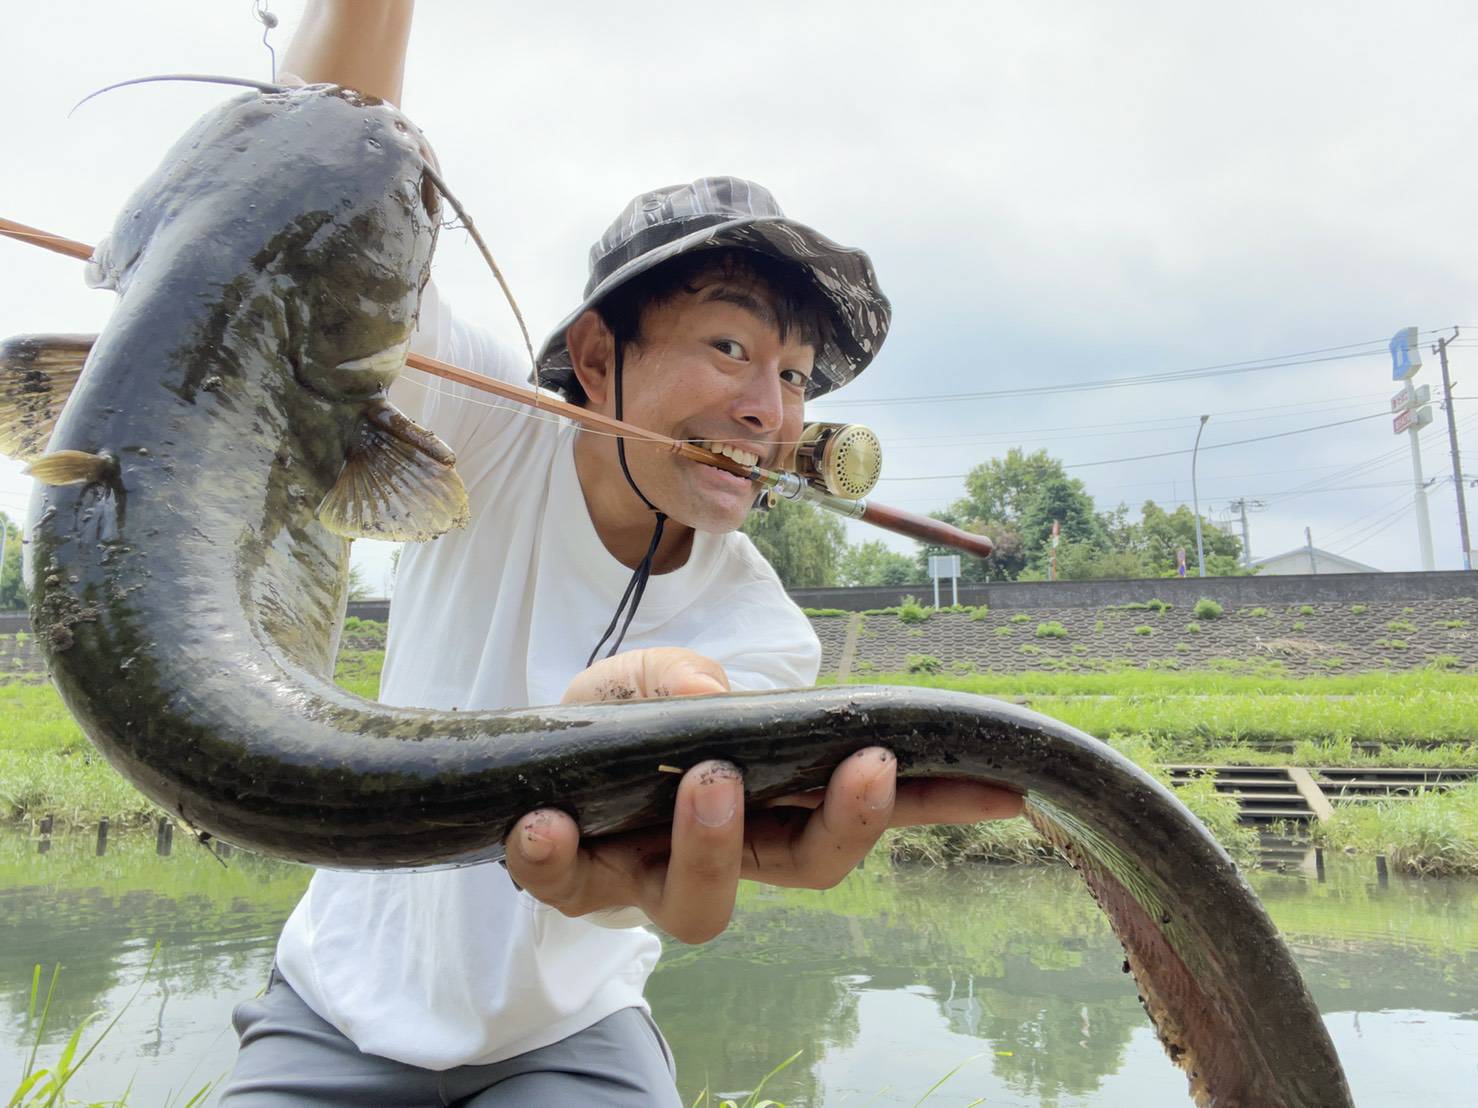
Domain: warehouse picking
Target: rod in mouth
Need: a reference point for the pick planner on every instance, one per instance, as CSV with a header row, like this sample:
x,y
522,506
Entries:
x,y
789,485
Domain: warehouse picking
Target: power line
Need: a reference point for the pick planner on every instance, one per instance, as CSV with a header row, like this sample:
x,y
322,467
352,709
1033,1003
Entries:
x,y
1222,369
1174,453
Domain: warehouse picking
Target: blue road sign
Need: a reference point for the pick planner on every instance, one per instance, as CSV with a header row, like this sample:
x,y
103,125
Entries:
x,y
1406,354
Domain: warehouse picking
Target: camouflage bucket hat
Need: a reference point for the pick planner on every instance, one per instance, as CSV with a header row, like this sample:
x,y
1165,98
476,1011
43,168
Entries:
x,y
730,212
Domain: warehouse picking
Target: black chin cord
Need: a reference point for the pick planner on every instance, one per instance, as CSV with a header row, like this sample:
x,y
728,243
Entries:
x,y
639,577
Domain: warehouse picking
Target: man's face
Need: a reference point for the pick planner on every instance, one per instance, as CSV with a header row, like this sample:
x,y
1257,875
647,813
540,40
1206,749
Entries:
x,y
711,368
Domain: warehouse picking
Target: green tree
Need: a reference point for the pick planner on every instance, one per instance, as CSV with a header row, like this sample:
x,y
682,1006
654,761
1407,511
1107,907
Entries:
x,y
1064,501
802,542
1001,488
358,588
1162,533
12,589
872,563
1087,561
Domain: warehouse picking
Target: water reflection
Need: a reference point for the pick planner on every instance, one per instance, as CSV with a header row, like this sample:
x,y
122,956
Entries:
x,y
887,982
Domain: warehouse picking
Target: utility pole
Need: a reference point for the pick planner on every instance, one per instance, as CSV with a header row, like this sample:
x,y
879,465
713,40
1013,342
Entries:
x,y
1240,505
1309,541
1457,464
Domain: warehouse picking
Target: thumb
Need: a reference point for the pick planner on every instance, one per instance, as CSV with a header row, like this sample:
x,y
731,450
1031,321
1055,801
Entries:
x,y
654,672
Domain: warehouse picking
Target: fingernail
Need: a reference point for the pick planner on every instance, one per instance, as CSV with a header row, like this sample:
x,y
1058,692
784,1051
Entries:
x,y
531,844
718,798
883,787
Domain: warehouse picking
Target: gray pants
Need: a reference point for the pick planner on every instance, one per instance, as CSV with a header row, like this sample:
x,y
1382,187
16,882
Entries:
x,y
289,1056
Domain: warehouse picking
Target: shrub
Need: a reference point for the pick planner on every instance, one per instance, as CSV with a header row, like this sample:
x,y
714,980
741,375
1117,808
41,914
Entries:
x,y
1401,627
1051,630
1305,609
1359,609
1193,627
1004,631
1258,612
1144,629
1300,625
980,612
1206,608
922,663
1021,617
911,611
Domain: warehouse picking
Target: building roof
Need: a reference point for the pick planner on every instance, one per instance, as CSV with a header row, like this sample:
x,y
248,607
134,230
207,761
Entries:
x,y
1326,561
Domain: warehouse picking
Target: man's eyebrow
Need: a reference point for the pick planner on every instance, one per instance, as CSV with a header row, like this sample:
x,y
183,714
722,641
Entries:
x,y
754,305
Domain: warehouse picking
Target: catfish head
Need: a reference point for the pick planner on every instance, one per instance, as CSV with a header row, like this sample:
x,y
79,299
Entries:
x,y
272,268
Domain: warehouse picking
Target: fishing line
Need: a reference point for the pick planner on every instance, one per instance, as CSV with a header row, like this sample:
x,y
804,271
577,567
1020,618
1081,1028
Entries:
x,y
269,23
201,78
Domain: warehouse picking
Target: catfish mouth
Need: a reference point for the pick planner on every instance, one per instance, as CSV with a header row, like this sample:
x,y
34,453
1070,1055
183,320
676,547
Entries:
x,y
356,378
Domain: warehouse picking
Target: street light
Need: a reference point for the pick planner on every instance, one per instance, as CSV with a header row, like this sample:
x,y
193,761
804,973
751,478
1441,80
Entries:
x,y
1196,500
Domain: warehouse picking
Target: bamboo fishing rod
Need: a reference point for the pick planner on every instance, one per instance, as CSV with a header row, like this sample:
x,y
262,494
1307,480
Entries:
x,y
792,486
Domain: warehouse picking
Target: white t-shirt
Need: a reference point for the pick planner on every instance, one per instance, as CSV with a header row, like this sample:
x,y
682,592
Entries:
x,y
458,967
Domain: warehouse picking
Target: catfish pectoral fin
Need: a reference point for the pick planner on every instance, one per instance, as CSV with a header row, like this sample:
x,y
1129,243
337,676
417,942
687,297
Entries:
x,y
398,483
37,374
72,467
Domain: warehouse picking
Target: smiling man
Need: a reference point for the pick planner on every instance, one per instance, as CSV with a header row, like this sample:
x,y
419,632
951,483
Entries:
x,y
593,569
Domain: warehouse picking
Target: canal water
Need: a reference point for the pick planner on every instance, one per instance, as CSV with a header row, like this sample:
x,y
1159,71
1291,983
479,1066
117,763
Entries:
x,y
1004,980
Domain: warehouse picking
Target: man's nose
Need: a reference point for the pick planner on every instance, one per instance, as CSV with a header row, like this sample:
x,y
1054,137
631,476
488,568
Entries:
x,y
760,406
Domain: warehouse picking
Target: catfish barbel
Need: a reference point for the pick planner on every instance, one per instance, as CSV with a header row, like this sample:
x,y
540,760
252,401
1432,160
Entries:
x,y
202,469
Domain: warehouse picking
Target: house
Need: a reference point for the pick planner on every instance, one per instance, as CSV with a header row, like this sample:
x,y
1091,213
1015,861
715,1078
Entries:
x,y
1309,559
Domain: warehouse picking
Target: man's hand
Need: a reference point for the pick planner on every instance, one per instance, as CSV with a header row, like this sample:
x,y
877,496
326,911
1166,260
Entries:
x,y
685,881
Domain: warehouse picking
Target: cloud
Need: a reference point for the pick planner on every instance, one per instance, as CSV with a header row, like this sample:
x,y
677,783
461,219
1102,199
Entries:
x,y
1054,191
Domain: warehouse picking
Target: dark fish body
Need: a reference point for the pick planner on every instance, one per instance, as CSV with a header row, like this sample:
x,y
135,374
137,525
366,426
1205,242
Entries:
x,y
187,595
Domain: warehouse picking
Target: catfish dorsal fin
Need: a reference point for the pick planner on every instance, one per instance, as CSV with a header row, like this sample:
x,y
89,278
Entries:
x,y
398,483
37,374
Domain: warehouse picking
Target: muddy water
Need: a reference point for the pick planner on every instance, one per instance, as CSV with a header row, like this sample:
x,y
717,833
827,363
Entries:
x,y
1006,978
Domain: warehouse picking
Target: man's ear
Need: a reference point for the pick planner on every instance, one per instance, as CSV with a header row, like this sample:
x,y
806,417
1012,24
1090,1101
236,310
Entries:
x,y
592,354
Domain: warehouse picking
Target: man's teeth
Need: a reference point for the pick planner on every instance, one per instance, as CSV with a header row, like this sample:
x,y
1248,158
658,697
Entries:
x,y
743,457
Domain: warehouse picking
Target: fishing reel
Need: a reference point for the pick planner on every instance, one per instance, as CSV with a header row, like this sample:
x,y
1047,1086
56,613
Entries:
x,y
840,459
843,459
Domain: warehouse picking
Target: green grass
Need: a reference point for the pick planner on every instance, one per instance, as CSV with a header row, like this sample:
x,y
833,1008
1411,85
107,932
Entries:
x,y
1021,617
1051,629
1206,609
1144,629
980,613
1191,712
911,611
818,613
1435,833
1359,609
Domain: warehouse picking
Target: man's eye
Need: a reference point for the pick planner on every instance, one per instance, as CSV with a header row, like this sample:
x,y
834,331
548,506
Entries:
x,y
795,377
730,348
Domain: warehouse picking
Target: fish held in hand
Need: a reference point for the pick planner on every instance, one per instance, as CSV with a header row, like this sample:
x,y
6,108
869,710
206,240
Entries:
x,y
202,467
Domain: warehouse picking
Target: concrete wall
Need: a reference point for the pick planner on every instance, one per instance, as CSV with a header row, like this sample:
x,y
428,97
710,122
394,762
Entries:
x,y
1228,591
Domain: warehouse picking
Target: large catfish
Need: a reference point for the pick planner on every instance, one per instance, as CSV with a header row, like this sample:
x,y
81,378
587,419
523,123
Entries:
x,y
200,475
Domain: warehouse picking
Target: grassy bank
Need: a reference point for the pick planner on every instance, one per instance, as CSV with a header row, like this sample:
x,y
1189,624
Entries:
x,y
1188,714
1435,833
1232,714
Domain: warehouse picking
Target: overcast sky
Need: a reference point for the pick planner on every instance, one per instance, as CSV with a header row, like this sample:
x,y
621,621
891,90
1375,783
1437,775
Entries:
x,y
1053,193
